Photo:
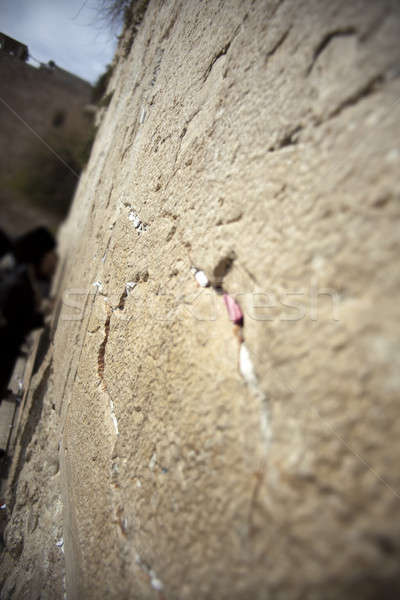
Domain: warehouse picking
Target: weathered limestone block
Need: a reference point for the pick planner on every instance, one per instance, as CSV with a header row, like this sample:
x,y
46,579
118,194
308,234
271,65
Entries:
x,y
257,141
32,564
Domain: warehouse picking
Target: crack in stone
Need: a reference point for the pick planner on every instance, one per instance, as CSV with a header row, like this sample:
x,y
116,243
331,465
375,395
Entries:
x,y
245,363
278,44
222,52
290,139
370,87
124,295
326,41
102,349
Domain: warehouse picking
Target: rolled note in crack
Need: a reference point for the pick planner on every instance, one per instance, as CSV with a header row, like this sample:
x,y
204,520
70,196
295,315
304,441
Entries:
x,y
200,277
234,310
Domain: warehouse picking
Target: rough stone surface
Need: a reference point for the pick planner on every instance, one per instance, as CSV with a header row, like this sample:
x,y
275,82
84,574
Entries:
x,y
259,142
32,566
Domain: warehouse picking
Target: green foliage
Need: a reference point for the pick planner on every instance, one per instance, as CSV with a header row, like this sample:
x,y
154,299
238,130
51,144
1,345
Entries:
x,y
122,12
128,15
104,102
133,16
48,181
86,148
114,11
100,87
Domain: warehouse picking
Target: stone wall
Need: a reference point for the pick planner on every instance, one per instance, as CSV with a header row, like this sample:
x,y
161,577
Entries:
x,y
42,110
258,142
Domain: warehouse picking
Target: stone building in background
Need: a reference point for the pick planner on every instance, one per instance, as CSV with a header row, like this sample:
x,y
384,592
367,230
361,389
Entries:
x,y
44,121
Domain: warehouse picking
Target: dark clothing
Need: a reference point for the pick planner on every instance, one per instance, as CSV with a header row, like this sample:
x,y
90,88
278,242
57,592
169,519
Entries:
x,y
32,246
18,316
5,243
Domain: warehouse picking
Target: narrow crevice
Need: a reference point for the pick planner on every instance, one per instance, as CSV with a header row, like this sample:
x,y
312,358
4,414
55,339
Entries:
x,y
245,363
129,286
278,44
109,197
170,27
223,267
325,41
372,86
289,139
102,350
230,221
216,57
158,58
124,295
221,53
234,219
101,367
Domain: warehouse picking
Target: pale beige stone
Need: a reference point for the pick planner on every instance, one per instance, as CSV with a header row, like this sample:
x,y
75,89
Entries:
x,y
258,142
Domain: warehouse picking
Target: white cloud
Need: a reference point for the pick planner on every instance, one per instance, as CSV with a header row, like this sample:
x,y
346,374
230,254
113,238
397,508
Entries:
x,y
66,31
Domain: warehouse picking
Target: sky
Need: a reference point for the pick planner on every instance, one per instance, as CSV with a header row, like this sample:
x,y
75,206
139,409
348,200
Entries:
x,y
69,32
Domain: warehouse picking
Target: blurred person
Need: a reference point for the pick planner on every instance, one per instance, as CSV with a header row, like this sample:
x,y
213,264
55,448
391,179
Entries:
x,y
5,243
22,296
7,260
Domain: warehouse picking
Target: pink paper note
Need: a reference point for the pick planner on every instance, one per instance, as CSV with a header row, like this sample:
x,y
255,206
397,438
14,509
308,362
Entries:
x,y
234,310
